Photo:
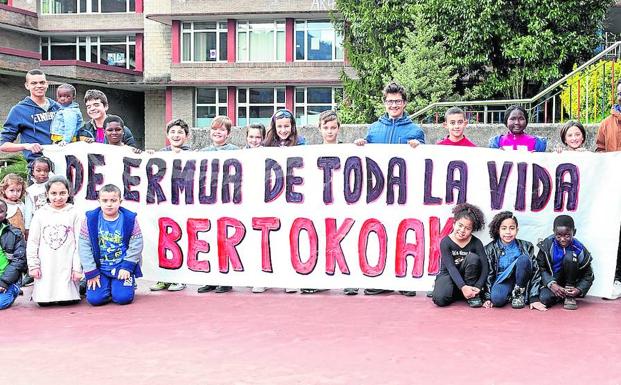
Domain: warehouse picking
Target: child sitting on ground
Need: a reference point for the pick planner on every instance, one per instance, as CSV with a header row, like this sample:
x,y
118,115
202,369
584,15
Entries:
x,y
12,259
516,120
455,121
110,250
68,119
513,273
565,265
463,263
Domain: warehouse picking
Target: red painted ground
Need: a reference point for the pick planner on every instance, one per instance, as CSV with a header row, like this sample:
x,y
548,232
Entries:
x,y
328,338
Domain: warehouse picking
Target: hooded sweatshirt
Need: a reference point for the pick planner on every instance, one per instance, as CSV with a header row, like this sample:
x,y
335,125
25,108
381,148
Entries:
x,y
31,122
394,131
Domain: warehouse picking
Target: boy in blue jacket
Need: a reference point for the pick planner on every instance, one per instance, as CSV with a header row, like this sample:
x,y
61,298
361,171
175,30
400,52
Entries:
x,y
68,119
110,248
395,126
12,259
30,119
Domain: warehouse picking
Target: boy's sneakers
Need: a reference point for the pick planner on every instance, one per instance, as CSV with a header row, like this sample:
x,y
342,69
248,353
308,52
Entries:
x,y
408,293
475,302
223,289
27,280
176,286
376,291
570,303
616,290
290,290
517,298
206,288
350,291
159,286
258,289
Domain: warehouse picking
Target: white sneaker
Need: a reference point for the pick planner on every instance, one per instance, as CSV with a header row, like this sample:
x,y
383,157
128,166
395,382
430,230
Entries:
x,y
616,290
290,290
176,286
258,289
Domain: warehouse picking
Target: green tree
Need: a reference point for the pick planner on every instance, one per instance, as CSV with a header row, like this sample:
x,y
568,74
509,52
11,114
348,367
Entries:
x,y
374,31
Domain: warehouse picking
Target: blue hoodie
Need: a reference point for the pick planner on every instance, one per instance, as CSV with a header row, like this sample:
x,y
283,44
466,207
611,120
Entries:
x,y
30,122
394,131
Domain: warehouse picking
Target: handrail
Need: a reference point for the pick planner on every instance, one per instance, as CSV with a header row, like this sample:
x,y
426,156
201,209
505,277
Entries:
x,y
521,101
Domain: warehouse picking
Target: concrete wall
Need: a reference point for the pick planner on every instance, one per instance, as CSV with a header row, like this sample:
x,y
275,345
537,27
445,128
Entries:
x,y
157,44
11,92
478,134
154,119
28,5
255,6
19,40
91,22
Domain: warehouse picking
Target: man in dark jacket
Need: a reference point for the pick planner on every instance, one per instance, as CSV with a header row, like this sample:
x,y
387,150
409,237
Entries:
x,y
12,259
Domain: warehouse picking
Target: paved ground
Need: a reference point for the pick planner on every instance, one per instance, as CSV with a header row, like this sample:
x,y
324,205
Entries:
x,y
328,338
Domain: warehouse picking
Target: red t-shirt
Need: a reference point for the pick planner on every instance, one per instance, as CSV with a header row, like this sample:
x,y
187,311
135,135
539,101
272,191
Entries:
x,y
464,142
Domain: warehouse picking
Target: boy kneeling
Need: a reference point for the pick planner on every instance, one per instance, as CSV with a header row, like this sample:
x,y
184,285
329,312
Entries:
x,y
110,250
565,265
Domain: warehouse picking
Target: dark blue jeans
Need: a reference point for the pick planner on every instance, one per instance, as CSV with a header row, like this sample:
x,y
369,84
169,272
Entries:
x,y
501,291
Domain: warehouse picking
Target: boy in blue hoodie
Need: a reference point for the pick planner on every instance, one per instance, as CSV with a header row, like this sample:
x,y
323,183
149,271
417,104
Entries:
x,y
68,119
30,119
395,126
110,248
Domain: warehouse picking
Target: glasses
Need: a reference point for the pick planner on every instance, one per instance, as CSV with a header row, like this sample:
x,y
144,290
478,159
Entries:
x,y
396,102
283,114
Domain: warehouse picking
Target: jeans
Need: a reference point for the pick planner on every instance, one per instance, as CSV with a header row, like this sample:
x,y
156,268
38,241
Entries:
x,y
111,289
500,292
8,297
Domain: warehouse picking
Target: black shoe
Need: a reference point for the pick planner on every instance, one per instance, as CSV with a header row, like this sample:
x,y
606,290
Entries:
x,y
350,291
517,298
430,294
21,292
475,302
82,288
309,291
407,293
27,280
223,289
376,291
206,288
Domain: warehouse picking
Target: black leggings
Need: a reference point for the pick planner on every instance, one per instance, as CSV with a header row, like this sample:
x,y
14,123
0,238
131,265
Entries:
x,y
59,303
445,291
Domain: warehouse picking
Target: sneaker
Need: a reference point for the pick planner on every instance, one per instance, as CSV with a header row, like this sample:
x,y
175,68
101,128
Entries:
x,y
616,290
350,291
176,286
206,288
159,286
309,291
517,298
407,293
376,291
570,304
27,280
290,290
429,294
82,287
223,289
258,289
475,302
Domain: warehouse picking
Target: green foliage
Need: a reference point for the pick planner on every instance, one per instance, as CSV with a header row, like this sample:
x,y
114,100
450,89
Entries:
x,y
15,164
596,93
494,48
425,71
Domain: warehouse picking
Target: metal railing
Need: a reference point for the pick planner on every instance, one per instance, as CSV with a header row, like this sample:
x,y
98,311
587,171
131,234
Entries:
x,y
545,107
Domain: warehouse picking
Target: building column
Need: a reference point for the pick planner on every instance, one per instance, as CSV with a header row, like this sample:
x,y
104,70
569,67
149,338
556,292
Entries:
x,y
231,104
231,40
138,6
168,114
289,98
176,41
289,40
139,52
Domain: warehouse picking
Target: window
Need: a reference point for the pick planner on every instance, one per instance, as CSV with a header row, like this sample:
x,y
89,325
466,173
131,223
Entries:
x,y
260,41
311,101
257,105
204,41
317,40
209,103
116,51
87,6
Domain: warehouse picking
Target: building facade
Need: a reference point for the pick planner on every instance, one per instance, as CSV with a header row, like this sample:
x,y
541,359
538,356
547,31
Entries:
x,y
187,59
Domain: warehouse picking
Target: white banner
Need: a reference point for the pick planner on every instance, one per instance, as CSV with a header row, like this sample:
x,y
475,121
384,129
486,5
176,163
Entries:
x,y
340,216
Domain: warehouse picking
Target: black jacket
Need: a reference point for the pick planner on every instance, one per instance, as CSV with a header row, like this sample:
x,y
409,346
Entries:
x,y
494,251
585,271
89,130
14,246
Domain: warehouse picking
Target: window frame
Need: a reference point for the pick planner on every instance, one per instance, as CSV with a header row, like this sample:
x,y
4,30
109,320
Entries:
x,y
45,8
247,105
336,40
90,42
303,119
221,27
217,105
279,25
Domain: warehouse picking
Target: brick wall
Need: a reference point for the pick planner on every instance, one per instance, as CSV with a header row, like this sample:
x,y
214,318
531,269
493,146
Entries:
x,y
18,19
157,44
15,63
28,5
91,22
154,119
227,73
18,40
12,92
256,6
